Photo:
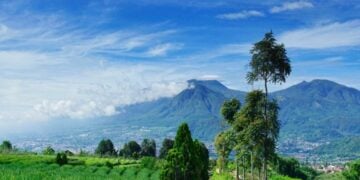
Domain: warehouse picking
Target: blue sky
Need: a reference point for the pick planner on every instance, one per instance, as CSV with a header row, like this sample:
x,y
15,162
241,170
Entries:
x,y
82,59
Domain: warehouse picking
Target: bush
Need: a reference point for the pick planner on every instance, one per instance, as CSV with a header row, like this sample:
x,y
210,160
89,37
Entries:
x,y
6,146
61,159
291,167
353,171
48,151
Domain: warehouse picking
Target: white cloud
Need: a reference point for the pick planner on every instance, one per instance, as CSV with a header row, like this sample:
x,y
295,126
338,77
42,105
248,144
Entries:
x,y
163,49
336,34
209,77
50,68
240,15
74,110
221,51
289,6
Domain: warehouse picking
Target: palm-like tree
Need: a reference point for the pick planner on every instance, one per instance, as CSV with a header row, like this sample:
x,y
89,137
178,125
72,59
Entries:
x,y
269,64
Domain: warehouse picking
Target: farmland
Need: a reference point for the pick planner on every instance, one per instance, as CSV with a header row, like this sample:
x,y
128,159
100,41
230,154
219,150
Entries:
x,y
31,166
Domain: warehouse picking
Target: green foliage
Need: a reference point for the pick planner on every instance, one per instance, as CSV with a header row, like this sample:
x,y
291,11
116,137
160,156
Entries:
x,y
202,154
83,153
48,151
331,176
151,163
61,159
269,61
280,177
68,153
292,168
167,144
229,108
18,166
148,148
185,160
105,148
131,149
256,136
223,176
353,171
6,146
224,143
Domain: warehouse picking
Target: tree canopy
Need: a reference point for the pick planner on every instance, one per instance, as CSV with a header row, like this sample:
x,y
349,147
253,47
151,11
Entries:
x,y
167,144
6,146
131,149
188,159
105,148
148,148
269,62
229,108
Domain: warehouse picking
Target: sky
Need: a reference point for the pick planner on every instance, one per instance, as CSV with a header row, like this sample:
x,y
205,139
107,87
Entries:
x,y
87,59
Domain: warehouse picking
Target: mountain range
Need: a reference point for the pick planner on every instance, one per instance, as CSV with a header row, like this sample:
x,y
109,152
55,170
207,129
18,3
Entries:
x,y
314,112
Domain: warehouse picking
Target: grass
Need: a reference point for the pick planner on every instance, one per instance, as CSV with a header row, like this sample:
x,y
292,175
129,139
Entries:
x,y
28,166
334,176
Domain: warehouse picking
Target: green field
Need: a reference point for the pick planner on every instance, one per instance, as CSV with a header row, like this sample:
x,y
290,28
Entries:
x,y
17,166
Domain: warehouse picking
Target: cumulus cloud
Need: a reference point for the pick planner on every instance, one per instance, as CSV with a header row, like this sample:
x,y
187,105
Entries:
x,y
290,6
331,35
51,68
240,15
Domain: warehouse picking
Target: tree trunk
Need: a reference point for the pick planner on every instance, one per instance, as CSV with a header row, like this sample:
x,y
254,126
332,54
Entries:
x,y
243,159
266,131
237,168
252,166
264,169
259,169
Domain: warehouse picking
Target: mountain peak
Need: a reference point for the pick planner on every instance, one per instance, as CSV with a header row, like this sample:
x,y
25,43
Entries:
x,y
319,88
214,85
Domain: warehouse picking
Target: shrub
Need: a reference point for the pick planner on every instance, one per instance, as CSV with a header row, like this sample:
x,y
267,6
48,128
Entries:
x,y
61,159
6,146
48,151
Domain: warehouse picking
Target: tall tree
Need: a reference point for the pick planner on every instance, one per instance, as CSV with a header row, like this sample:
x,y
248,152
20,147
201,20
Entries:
x,y
224,144
148,148
167,144
224,141
203,159
270,64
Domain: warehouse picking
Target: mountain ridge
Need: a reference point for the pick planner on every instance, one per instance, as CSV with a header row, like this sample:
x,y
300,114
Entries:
x,y
315,111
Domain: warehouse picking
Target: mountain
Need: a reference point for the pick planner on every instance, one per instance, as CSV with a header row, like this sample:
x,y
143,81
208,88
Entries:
x,y
319,110
198,105
313,112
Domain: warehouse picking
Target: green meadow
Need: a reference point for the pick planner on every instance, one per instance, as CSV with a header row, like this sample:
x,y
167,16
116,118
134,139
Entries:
x,y
25,166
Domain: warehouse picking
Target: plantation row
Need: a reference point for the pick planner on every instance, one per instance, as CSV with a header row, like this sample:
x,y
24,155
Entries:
x,y
24,166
